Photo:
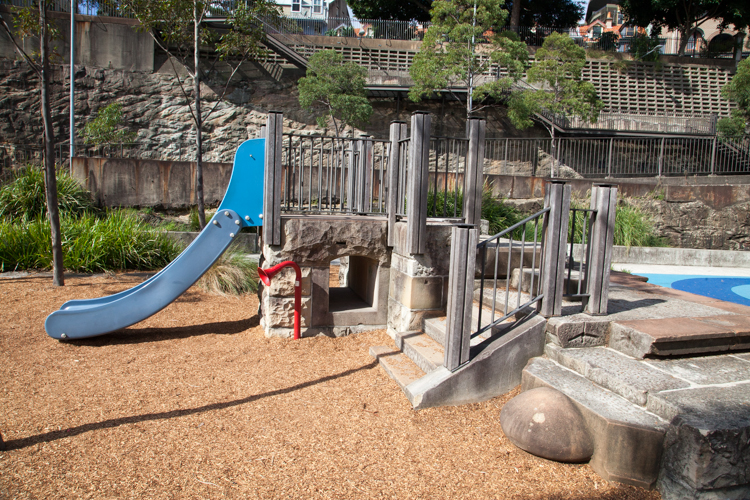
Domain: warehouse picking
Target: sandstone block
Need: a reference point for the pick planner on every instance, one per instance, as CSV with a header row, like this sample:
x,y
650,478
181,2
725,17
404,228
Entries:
x,y
282,285
279,312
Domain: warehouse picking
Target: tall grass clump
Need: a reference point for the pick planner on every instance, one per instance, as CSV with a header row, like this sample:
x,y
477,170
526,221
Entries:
x,y
23,199
632,226
90,244
232,274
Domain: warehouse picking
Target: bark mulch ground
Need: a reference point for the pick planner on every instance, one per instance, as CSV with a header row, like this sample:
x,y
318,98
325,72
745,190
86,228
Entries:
x,y
196,403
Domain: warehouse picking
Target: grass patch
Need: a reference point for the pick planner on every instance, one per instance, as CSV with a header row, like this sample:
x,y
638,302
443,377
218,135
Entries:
x,y
632,226
499,214
232,274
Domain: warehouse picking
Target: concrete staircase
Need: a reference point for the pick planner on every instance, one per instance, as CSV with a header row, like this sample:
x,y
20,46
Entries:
x,y
665,398
415,361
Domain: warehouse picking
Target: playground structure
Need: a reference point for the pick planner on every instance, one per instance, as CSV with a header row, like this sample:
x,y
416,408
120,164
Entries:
x,y
403,216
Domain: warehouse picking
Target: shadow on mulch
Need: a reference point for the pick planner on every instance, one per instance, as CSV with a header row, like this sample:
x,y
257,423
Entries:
x,y
47,437
147,335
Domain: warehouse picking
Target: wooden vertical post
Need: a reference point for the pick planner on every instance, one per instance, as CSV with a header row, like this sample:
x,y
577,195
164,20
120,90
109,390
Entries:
x,y
416,191
555,241
604,201
364,175
262,133
472,209
397,132
460,295
272,192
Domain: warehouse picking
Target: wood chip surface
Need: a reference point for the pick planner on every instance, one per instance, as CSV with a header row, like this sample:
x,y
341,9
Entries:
x,y
196,403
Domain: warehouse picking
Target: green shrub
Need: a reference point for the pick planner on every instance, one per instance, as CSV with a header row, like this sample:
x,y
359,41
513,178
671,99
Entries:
x,y
23,199
118,241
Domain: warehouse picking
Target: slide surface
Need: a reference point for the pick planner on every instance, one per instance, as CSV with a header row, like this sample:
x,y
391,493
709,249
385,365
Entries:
x,y
241,207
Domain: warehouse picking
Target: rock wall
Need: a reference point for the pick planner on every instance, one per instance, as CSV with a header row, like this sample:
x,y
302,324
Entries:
x,y
157,110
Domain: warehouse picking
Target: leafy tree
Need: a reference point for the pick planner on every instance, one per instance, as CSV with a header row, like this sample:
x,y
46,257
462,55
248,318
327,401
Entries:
x,y
460,47
178,28
31,24
686,16
106,128
418,10
556,14
336,88
557,68
737,91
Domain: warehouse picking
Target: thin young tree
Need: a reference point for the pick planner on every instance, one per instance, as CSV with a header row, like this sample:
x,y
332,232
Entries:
x,y
562,91
179,28
31,24
336,89
460,50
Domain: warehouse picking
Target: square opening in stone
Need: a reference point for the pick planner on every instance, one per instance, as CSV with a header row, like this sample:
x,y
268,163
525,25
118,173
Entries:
x,y
353,284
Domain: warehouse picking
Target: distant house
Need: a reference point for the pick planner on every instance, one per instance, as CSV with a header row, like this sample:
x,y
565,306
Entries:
x,y
320,10
610,18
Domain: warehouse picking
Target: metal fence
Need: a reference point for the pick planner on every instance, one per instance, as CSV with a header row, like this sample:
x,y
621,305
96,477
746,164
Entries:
x,y
618,156
641,122
506,273
333,174
446,179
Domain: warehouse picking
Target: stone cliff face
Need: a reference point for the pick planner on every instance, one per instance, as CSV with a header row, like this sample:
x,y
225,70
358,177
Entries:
x,y
695,224
155,107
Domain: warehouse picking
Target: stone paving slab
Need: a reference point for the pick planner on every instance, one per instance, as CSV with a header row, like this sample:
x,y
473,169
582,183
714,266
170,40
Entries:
x,y
745,356
679,336
397,365
708,370
623,375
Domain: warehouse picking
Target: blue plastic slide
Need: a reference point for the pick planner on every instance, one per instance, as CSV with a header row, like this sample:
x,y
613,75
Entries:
x,y
242,206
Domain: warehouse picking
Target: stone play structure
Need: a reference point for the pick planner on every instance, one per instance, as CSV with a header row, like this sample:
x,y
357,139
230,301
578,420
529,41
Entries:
x,y
609,359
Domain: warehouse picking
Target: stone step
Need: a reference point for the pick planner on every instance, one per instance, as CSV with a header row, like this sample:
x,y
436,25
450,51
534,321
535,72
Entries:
x,y
681,336
397,365
421,349
628,440
627,377
435,328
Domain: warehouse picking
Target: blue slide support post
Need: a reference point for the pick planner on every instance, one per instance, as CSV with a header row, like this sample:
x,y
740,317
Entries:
x,y
241,207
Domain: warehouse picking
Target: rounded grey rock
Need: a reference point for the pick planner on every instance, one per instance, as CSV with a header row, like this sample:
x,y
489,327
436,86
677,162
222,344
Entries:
x,y
546,423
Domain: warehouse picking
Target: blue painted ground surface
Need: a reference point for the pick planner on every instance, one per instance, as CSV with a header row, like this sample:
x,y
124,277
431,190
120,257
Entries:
x,y
729,288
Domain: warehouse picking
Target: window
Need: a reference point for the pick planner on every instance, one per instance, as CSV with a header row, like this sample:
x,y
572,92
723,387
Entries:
x,y
296,5
317,6
597,31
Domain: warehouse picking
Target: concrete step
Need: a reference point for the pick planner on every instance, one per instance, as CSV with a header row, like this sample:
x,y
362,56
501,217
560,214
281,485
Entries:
x,y
495,367
627,377
397,365
421,349
435,327
628,440
681,336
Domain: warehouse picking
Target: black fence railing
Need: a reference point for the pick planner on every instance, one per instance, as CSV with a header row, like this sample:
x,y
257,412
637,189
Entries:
x,y
511,268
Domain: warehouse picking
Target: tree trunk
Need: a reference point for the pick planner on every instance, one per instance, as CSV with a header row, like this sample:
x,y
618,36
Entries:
x,y
198,123
515,15
50,179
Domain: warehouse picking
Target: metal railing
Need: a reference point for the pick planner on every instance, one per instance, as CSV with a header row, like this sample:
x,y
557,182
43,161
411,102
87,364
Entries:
x,y
512,239
446,179
618,156
333,174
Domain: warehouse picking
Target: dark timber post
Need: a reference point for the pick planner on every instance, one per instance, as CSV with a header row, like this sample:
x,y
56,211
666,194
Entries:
x,y
351,178
272,195
363,177
460,295
474,170
557,197
398,132
604,201
416,191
